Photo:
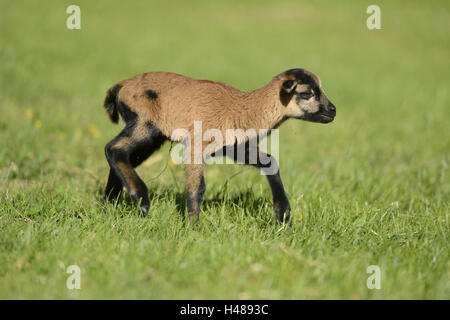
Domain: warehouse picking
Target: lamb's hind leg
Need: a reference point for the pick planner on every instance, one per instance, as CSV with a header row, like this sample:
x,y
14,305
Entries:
x,y
113,187
129,149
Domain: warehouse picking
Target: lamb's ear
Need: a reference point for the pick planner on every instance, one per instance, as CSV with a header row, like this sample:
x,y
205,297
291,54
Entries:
x,y
287,90
288,85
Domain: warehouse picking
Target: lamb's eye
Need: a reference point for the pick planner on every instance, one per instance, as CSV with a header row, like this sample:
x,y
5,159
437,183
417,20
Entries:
x,y
306,95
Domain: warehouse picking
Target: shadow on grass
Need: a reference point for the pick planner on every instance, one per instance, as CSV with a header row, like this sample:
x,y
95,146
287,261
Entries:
x,y
247,200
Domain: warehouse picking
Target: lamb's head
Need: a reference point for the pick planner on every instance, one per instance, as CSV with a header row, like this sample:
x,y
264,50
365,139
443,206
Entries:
x,y
302,96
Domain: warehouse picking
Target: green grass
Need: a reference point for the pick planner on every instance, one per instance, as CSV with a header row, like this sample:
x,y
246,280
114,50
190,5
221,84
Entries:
x,y
371,188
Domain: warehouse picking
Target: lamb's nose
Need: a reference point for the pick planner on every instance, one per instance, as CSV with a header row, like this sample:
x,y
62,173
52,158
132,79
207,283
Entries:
x,y
332,108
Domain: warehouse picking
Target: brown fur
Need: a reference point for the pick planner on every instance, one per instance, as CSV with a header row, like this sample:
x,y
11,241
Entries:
x,y
183,100
194,188
129,175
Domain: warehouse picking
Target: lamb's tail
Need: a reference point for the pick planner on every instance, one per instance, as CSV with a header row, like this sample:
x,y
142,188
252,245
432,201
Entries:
x,y
111,103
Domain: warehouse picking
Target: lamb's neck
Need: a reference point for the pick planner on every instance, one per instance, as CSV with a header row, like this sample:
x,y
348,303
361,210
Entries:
x,y
261,107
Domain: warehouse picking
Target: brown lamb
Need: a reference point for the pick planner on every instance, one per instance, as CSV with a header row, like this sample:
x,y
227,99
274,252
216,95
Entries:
x,y
156,104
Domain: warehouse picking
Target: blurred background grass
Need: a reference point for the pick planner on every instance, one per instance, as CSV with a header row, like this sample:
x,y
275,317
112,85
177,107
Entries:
x,y
370,188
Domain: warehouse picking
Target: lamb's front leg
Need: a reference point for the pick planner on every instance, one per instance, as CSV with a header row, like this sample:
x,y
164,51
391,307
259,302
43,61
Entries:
x,y
280,201
269,166
195,189
281,204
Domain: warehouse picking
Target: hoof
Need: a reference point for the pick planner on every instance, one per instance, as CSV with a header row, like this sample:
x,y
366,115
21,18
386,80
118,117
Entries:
x,y
193,217
144,210
284,215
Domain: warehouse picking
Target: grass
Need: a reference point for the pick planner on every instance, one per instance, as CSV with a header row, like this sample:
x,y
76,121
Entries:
x,y
371,188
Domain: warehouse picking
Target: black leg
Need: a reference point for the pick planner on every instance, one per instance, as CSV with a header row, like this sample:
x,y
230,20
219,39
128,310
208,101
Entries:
x,y
268,164
113,187
280,201
129,149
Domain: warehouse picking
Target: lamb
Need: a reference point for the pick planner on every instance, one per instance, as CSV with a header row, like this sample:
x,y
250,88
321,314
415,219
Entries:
x,y
156,104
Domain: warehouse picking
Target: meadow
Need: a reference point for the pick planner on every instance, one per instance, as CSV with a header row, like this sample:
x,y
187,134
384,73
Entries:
x,y
370,188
